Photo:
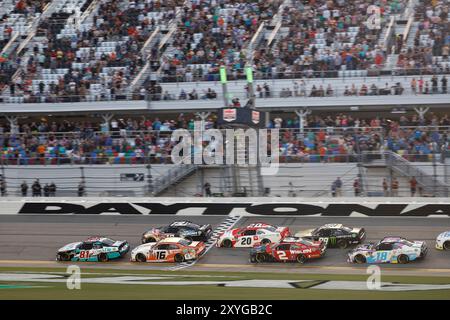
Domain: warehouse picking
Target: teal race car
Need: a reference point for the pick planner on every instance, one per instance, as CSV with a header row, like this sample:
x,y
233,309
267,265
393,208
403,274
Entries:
x,y
95,249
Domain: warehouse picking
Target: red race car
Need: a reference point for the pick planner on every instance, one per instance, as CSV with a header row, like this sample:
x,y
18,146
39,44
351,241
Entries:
x,y
289,249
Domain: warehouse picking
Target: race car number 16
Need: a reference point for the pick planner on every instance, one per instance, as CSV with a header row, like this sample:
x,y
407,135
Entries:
x,y
160,255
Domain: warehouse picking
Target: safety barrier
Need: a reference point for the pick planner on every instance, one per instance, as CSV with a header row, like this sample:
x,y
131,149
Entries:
x,y
329,207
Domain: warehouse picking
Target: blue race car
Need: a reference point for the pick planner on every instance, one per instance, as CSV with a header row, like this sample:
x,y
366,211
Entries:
x,y
389,250
93,249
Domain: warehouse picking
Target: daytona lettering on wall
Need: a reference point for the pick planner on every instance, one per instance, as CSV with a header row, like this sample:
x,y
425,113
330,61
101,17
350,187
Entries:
x,y
236,208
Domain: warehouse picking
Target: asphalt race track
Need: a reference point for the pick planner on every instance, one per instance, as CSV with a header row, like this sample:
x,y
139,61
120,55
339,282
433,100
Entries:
x,y
32,240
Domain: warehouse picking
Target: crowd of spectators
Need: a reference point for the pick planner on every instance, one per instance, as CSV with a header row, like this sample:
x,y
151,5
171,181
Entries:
x,y
119,27
431,45
328,138
28,9
317,38
213,33
325,37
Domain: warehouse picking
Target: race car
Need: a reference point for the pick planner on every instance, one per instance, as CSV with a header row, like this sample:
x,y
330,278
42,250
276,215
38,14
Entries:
x,y
93,249
443,241
172,249
389,250
182,229
253,234
288,249
334,235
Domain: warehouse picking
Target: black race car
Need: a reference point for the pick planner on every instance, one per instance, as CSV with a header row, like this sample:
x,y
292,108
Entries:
x,y
335,235
182,229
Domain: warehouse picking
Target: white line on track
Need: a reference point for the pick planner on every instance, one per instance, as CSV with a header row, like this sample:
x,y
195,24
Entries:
x,y
227,224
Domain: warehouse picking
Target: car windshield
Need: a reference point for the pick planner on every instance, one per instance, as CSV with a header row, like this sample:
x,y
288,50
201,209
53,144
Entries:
x,y
306,242
270,228
406,242
108,242
347,229
185,242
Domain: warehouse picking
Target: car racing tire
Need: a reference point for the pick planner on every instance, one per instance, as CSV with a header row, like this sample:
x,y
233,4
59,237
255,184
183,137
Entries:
x,y
149,240
260,257
227,243
403,259
360,259
446,245
342,244
265,241
301,259
140,257
63,257
178,258
189,238
102,257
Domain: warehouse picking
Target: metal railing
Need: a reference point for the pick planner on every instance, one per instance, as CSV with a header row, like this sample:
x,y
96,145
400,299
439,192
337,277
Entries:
x,y
405,168
172,176
341,90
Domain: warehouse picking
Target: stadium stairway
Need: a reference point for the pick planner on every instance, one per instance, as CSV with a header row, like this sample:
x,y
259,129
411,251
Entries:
x,y
293,179
392,165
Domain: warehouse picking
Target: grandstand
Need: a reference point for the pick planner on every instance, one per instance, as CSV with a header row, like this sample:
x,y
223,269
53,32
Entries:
x,y
91,90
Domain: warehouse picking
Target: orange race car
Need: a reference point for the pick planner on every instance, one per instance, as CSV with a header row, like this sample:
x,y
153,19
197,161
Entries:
x,y
168,250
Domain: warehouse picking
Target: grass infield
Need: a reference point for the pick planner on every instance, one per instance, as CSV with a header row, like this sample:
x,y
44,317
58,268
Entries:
x,y
48,290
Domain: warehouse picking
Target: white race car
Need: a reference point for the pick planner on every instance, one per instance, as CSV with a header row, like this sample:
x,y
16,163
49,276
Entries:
x,y
168,250
443,241
253,234
388,250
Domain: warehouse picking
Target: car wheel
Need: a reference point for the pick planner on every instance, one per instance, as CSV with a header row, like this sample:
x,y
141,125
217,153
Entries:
x,y
403,259
63,257
149,240
342,244
102,257
140,257
360,259
178,258
227,243
446,245
260,257
265,241
301,259
252,259
188,238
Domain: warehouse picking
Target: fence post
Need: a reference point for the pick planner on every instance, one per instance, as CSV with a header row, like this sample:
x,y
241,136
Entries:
x,y
83,180
149,180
